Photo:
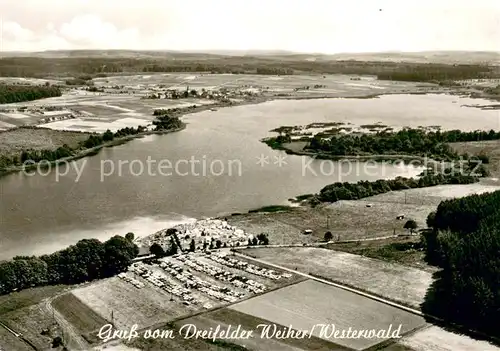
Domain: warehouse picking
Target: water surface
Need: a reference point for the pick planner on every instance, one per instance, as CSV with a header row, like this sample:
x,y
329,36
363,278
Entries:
x,y
41,213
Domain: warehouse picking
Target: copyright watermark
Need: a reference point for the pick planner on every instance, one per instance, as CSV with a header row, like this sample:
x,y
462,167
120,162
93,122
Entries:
x,y
197,167
183,167
338,170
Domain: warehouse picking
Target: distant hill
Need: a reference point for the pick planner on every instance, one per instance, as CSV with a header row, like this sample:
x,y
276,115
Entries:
x,y
446,57
449,57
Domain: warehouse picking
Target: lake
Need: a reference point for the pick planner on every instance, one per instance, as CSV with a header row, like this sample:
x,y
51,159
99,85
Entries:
x,y
217,165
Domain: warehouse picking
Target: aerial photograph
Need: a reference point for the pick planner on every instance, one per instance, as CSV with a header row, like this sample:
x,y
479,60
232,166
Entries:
x,y
234,175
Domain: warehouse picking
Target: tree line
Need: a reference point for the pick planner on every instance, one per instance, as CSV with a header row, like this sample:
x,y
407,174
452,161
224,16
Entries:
x,y
89,259
354,191
20,93
93,140
63,151
464,241
40,67
407,141
437,73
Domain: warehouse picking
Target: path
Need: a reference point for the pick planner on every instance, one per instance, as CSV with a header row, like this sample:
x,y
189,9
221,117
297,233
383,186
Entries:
x,y
72,339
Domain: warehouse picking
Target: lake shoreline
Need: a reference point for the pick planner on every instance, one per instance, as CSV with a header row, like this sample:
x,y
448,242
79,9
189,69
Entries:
x,y
256,101
90,151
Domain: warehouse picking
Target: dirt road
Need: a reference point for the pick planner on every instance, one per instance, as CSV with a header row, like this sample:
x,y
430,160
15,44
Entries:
x,y
72,339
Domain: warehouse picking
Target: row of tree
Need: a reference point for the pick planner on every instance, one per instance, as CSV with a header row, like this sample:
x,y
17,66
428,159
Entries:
x,y
464,241
94,140
353,191
97,140
159,251
407,141
21,93
66,151
89,259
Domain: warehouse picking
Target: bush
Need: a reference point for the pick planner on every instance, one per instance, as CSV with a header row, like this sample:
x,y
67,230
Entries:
x,y
328,236
157,250
411,225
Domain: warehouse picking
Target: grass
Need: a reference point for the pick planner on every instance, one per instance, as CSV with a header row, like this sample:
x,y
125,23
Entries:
x,y
27,297
347,220
395,282
436,338
10,342
14,141
309,303
25,313
79,315
129,305
181,344
30,322
403,250
281,227
226,316
491,148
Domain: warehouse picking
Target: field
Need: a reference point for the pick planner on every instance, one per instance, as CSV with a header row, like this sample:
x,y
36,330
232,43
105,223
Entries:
x,y
491,148
395,282
128,304
371,217
400,249
10,342
125,304
16,140
230,317
121,102
25,313
177,344
30,321
308,303
437,339
79,315
282,228
347,220
431,196
330,84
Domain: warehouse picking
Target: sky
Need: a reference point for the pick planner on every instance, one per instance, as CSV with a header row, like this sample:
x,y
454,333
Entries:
x,y
321,26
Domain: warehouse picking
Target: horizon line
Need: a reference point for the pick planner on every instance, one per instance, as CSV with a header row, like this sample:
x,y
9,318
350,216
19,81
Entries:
x,y
201,51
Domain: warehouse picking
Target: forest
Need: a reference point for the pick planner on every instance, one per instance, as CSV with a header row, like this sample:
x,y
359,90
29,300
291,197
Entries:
x,y
89,259
416,142
181,62
437,73
354,191
10,93
465,243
